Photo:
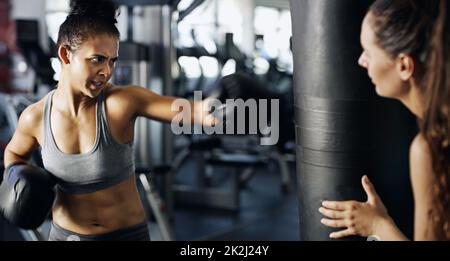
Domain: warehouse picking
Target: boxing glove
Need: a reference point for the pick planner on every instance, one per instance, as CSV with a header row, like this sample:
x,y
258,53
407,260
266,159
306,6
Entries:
x,y
26,195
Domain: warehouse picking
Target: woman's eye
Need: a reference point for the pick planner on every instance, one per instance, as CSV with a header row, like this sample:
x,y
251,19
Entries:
x,y
97,59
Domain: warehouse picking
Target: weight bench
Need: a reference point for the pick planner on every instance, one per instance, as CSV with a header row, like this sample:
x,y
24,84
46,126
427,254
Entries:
x,y
228,199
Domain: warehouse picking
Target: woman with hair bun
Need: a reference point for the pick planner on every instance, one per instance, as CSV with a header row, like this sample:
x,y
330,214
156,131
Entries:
x,y
85,129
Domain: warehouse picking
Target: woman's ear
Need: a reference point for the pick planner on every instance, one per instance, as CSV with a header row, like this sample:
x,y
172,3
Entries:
x,y
64,54
405,66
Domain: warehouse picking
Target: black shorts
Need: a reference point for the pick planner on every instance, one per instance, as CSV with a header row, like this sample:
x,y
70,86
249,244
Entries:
x,y
137,232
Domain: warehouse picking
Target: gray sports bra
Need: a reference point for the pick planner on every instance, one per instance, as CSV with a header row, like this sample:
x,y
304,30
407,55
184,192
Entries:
x,y
107,164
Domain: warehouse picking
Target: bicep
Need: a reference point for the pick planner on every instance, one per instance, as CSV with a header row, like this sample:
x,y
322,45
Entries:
x,y
422,180
23,142
152,105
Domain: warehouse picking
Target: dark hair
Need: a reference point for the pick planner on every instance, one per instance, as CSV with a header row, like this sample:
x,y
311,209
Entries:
x,y
420,28
436,124
86,19
405,26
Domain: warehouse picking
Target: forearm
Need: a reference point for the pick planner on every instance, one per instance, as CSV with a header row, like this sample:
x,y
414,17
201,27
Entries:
x,y
387,230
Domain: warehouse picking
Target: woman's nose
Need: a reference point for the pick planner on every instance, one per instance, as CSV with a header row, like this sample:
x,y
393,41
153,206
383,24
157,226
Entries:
x,y
362,61
106,71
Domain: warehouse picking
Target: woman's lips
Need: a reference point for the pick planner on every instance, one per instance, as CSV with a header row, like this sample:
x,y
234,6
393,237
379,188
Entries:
x,y
98,84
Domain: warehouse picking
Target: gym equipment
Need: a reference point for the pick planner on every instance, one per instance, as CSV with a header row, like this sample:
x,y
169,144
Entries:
x,y
158,206
343,130
331,107
36,58
183,88
189,9
5,46
241,153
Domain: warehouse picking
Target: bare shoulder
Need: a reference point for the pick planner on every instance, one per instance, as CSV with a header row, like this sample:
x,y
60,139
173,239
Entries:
x,y
420,158
116,95
32,117
123,101
124,93
131,96
419,147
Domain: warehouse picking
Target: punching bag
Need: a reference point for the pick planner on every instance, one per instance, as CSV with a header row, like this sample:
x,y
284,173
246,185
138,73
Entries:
x,y
331,106
334,110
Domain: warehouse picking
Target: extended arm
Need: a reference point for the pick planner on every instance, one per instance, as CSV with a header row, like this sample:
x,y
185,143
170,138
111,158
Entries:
x,y
165,108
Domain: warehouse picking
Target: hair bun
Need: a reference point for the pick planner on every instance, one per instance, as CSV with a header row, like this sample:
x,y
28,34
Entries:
x,y
100,8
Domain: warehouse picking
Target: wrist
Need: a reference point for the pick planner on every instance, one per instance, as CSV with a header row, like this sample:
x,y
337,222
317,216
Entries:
x,y
15,163
8,168
381,224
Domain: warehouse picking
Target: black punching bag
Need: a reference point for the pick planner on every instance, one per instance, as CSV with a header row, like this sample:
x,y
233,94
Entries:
x,y
343,130
331,104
